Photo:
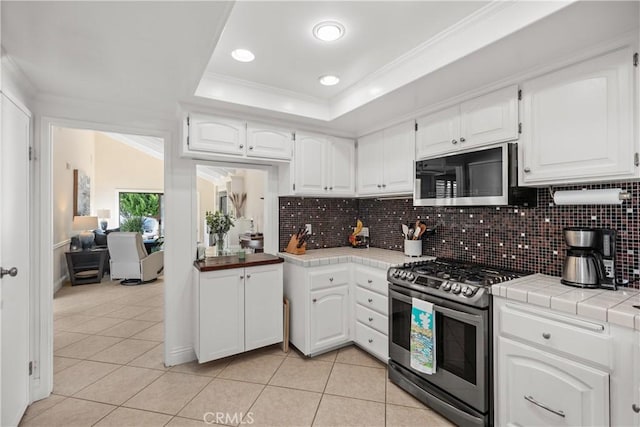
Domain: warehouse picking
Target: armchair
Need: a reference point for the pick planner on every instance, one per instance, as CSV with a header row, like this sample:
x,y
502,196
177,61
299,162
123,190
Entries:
x,y
130,261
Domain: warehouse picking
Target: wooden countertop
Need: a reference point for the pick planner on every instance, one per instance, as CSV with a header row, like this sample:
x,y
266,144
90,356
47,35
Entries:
x,y
232,261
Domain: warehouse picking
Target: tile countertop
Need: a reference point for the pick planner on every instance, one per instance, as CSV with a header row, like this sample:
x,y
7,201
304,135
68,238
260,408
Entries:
x,y
373,257
615,307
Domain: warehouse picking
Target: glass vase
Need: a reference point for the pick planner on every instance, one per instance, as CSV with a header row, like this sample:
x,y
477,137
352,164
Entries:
x,y
220,243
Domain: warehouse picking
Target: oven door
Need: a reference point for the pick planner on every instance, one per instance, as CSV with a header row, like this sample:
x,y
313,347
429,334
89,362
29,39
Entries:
x,y
462,345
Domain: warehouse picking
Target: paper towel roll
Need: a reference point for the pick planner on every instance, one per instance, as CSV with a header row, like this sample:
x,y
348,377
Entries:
x,y
609,196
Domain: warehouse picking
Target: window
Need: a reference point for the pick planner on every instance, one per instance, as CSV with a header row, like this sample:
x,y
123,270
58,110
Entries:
x,y
142,211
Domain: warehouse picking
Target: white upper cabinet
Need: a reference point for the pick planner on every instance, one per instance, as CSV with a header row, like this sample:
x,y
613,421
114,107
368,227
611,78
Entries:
x,y
323,166
341,156
484,120
438,133
385,161
216,137
490,118
577,123
269,142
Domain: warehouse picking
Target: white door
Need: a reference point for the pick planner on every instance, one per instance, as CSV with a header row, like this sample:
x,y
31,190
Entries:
x,y
399,157
269,142
438,133
370,161
342,167
577,123
262,306
310,164
221,314
14,253
329,318
489,118
216,135
539,389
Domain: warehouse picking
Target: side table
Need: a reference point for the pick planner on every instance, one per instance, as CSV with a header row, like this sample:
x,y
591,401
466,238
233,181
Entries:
x,y
86,266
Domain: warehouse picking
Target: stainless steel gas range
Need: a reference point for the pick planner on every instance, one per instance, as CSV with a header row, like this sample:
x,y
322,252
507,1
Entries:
x,y
461,388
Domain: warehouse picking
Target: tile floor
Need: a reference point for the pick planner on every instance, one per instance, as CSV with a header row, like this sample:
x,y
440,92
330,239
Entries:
x,y
109,371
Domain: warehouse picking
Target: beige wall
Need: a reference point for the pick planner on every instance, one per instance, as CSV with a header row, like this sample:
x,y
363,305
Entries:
x,y
207,202
120,167
72,149
254,185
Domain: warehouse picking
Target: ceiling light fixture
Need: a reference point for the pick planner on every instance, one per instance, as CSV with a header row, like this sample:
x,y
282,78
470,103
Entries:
x,y
243,55
328,31
329,80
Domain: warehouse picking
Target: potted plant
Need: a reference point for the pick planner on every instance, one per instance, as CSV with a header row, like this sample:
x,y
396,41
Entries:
x,y
218,224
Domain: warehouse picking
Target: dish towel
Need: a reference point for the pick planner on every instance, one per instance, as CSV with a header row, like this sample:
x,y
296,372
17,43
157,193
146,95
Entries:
x,y
423,341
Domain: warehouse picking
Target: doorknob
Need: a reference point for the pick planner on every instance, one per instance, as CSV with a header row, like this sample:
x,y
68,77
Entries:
x,y
13,272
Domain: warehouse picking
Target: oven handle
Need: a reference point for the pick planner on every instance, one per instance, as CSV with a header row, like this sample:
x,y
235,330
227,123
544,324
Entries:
x,y
437,306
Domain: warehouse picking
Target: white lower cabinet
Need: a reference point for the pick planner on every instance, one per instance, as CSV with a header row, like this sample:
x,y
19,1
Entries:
x,y
320,309
371,308
538,388
329,316
237,310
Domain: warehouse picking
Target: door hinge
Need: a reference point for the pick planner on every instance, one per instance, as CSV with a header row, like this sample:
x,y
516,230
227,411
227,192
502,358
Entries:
x,y
30,368
30,153
187,120
636,159
520,127
519,94
355,144
294,186
416,127
293,136
635,59
188,130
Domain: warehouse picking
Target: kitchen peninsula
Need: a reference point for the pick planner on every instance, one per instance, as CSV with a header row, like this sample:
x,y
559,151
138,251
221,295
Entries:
x,y
238,304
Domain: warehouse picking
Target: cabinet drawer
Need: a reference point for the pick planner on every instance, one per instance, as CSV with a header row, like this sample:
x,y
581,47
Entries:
x,y
372,319
372,279
372,341
326,277
372,300
584,339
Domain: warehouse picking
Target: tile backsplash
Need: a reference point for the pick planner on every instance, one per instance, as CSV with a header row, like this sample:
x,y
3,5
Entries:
x,y
518,238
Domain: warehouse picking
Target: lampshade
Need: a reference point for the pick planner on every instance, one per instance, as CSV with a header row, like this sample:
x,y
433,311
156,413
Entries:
x,y
81,223
104,213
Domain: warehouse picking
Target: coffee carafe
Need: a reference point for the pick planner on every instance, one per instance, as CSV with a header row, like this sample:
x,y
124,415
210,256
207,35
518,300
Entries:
x,y
590,261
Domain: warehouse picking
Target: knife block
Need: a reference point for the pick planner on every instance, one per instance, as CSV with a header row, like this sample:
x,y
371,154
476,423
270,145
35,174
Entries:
x,y
293,249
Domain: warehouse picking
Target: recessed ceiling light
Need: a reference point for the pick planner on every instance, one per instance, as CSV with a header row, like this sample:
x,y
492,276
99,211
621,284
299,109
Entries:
x,y
329,80
328,31
243,55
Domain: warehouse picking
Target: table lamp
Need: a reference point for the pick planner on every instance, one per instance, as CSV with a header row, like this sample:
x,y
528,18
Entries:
x,y
86,225
104,214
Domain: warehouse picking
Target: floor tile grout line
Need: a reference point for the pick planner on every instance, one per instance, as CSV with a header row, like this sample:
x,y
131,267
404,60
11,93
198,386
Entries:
x,y
264,387
325,388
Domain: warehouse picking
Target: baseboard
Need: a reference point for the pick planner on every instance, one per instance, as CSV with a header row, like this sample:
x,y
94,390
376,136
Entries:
x,y
180,355
58,283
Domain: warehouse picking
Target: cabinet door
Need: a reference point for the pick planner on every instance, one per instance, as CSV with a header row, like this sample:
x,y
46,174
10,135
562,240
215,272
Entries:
x,y
310,164
370,164
262,306
489,118
438,133
221,314
399,158
577,123
536,388
329,317
216,135
341,167
268,142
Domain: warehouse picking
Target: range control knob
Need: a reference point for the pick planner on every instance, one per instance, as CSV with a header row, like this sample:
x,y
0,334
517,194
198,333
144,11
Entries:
x,y
468,292
463,291
446,287
455,288
403,275
410,276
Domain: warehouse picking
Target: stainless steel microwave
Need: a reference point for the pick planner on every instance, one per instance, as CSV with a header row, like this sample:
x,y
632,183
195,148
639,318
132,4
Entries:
x,y
478,177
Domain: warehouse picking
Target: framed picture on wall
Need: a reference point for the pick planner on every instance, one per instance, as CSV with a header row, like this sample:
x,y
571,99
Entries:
x,y
81,193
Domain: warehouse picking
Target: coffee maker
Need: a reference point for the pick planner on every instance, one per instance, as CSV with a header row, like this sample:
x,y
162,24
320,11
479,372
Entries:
x,y
590,261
